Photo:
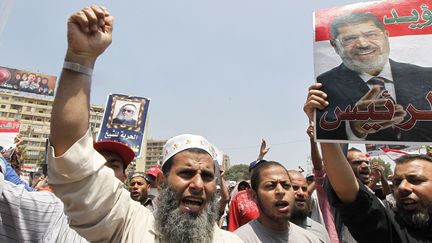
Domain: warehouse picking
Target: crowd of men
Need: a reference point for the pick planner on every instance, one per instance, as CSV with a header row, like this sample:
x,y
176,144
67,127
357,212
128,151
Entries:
x,y
187,198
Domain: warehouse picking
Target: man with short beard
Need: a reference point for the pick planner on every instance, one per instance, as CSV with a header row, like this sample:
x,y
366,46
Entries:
x,y
139,188
300,212
273,193
368,219
99,206
362,42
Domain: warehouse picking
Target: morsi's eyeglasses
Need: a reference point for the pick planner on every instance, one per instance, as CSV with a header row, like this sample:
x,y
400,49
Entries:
x,y
351,39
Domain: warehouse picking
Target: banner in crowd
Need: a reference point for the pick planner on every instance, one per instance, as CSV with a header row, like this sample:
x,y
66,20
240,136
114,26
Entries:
x,y
8,131
125,120
384,149
370,58
27,81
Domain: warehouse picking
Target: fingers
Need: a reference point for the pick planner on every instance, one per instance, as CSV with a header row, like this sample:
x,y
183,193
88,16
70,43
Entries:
x,y
92,19
316,99
373,93
310,131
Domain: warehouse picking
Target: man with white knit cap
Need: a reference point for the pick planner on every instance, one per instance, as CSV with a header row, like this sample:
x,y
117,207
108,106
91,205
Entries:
x,y
99,207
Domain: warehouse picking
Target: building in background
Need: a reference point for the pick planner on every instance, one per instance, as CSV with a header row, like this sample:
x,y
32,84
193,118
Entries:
x,y
154,152
34,112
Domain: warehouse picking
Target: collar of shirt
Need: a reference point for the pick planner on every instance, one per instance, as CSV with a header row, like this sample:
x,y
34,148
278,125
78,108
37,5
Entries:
x,y
385,73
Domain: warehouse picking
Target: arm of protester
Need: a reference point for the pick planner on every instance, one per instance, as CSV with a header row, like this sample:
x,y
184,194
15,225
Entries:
x,y
224,193
315,155
311,188
338,170
100,209
378,171
89,34
18,139
263,150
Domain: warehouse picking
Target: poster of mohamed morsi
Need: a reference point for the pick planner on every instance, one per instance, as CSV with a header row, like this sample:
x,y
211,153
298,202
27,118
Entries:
x,y
372,61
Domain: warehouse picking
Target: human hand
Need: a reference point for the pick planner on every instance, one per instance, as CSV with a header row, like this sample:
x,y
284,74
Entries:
x,y
18,139
377,170
263,149
374,96
89,34
316,99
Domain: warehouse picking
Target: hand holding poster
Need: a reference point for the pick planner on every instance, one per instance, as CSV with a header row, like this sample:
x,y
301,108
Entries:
x,y
124,121
369,58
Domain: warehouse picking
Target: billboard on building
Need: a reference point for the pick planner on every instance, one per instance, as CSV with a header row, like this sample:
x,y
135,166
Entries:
x,y
27,81
125,121
8,131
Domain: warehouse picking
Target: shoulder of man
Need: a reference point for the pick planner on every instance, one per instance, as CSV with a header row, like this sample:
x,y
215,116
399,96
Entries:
x,y
409,66
298,234
221,235
332,74
247,233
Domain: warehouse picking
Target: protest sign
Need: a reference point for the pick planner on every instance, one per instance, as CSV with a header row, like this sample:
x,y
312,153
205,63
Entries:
x,y
370,60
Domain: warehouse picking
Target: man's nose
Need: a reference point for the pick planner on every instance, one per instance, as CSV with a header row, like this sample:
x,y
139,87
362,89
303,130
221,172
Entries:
x,y
280,190
362,41
197,184
404,188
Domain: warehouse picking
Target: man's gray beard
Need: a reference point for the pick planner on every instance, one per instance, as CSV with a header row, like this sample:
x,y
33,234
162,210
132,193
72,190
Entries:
x,y
418,219
178,226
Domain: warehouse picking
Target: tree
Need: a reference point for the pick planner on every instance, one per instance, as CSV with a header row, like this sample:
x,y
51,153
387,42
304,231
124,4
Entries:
x,y
237,172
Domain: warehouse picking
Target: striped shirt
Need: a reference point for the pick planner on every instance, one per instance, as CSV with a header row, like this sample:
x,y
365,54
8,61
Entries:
x,y
32,216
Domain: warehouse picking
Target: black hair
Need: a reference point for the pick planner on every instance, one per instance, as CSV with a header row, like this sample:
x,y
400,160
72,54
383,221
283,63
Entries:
x,y
353,18
256,173
410,157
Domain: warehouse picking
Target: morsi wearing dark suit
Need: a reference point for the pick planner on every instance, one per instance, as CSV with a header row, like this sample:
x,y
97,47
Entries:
x,y
344,87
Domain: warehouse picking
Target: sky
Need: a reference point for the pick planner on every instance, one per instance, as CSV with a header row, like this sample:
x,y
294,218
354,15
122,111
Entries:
x,y
233,71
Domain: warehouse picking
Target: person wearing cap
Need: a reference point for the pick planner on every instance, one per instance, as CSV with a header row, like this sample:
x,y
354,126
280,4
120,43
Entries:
x,y
243,208
154,174
118,156
139,188
100,209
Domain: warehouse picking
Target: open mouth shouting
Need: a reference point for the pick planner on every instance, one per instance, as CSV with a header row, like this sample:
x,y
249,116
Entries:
x,y
409,204
192,204
282,206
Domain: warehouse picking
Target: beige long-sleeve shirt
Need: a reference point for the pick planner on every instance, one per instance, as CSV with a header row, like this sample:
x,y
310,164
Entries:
x,y
99,207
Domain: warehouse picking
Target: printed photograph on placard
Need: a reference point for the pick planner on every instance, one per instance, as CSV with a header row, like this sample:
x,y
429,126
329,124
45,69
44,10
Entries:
x,y
125,120
370,59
